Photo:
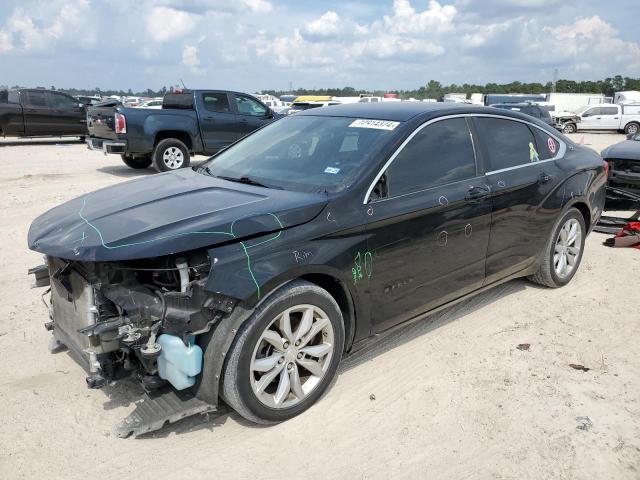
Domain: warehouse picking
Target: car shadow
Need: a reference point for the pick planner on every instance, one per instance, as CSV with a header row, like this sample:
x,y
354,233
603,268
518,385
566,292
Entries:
x,y
42,141
129,392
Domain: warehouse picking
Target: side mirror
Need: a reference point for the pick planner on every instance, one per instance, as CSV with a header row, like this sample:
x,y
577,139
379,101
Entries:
x,y
268,113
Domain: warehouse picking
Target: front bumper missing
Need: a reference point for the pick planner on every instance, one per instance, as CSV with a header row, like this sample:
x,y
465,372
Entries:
x,y
107,146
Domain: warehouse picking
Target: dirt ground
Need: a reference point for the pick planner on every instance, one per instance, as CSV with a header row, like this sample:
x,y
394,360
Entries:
x,y
448,397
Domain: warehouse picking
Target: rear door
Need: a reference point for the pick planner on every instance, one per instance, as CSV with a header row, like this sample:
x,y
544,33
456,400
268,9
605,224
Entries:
x,y
251,114
218,122
428,225
68,115
521,173
38,115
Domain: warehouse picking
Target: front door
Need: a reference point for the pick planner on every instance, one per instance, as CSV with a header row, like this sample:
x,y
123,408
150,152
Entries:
x,y
521,174
428,225
251,114
218,122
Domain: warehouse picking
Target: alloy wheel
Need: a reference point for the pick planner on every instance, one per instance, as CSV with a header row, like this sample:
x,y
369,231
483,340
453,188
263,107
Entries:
x,y
567,248
292,356
173,158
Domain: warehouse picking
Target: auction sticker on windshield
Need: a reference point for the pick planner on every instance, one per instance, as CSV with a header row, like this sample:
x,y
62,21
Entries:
x,y
378,124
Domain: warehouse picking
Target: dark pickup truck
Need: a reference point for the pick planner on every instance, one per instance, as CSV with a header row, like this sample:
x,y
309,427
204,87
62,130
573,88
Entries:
x,y
30,112
189,123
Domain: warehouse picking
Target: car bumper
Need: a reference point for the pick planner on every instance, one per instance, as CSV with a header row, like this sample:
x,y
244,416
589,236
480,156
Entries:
x,y
106,146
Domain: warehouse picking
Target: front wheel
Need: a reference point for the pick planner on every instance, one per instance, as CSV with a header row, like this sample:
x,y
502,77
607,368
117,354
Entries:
x,y
569,128
285,355
170,154
563,252
135,162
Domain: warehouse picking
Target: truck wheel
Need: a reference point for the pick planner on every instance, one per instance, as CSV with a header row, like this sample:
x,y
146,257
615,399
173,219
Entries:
x,y
136,162
285,355
569,128
170,154
563,252
632,128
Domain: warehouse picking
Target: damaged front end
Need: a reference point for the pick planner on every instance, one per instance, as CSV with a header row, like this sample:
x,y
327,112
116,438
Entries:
x,y
116,317
139,318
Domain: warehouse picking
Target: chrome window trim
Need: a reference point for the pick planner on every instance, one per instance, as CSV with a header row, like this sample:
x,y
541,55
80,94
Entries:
x,y
561,150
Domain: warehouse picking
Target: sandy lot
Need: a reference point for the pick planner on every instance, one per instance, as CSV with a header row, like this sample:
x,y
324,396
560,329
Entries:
x,y
448,397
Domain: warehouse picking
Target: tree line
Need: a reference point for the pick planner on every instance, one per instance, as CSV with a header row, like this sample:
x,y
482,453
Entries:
x,y
432,89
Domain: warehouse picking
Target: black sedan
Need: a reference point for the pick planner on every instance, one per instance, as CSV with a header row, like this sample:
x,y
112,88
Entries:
x,y
250,277
624,164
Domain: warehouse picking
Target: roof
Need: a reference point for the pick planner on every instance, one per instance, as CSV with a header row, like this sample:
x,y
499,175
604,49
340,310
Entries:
x,y
403,111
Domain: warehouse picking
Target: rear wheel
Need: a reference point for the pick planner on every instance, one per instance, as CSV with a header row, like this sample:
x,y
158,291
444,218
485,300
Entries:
x,y
632,128
170,154
563,252
136,162
285,355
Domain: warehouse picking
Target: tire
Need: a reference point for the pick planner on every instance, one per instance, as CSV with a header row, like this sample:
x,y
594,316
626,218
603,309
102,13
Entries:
x,y
170,154
548,274
240,378
569,128
632,128
136,162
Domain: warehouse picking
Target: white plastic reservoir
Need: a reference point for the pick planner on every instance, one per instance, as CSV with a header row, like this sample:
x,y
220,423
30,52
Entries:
x,y
179,363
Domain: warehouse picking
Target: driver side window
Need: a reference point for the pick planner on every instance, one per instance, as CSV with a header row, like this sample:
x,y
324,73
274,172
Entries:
x,y
248,106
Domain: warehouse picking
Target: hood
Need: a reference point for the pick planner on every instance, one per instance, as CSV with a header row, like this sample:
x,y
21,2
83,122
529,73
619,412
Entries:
x,y
164,214
627,150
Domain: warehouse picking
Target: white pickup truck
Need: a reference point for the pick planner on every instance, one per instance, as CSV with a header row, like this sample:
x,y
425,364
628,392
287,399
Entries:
x,y
601,117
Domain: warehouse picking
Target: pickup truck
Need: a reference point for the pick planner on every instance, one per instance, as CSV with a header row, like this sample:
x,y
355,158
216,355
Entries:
x,y
189,123
30,112
601,117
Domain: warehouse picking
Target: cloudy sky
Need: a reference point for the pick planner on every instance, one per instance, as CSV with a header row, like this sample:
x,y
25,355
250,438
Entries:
x,y
259,44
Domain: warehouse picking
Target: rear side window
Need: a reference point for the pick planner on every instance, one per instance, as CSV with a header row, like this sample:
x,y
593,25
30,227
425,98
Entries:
x,y
548,146
182,101
508,143
216,102
36,99
608,111
438,154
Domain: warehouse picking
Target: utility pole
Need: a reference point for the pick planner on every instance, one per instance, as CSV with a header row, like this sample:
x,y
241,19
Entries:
x,y
555,80
290,86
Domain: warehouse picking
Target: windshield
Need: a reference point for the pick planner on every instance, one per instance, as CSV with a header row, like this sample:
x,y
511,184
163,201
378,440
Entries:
x,y
305,153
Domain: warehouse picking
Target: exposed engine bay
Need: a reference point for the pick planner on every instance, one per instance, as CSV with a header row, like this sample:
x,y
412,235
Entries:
x,y
137,317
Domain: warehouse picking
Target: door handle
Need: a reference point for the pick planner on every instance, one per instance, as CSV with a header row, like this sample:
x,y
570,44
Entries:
x,y
544,178
476,193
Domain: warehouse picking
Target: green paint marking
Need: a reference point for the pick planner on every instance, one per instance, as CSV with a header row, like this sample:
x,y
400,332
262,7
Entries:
x,y
356,270
230,233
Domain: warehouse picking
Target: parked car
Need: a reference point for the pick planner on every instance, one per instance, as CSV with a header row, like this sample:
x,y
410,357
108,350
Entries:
x,y
189,123
252,276
30,112
530,109
624,164
88,100
153,103
624,118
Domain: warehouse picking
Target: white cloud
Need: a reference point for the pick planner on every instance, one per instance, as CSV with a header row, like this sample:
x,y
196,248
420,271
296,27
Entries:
x,y
165,23
259,6
5,42
325,26
433,20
